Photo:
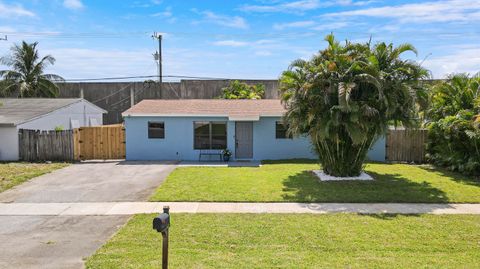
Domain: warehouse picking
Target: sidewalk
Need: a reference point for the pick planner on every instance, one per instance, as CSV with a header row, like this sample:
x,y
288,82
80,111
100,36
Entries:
x,y
130,208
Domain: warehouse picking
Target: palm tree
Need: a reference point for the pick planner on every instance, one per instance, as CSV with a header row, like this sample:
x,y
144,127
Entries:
x,y
458,92
26,77
454,124
345,97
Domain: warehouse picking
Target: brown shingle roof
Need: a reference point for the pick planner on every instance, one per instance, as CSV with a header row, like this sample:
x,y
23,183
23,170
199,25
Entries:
x,y
207,107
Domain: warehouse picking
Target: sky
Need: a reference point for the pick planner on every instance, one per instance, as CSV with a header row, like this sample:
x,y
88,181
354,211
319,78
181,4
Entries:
x,y
255,39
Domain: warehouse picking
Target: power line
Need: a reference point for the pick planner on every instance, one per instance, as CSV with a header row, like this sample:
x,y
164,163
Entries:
x,y
112,94
142,77
235,34
135,95
106,78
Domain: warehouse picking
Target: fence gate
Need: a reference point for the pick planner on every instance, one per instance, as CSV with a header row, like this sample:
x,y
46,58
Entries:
x,y
35,145
99,143
406,145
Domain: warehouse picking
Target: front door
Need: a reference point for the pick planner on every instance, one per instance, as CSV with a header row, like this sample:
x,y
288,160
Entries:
x,y
244,140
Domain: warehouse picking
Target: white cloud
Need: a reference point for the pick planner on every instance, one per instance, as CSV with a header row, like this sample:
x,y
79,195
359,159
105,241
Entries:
x,y
146,4
14,10
295,24
223,20
463,60
261,43
263,53
300,6
330,26
167,14
230,43
73,4
6,29
90,63
437,11
75,63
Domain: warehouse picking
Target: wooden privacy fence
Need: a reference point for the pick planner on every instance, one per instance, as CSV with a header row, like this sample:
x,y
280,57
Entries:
x,y
406,145
35,145
102,142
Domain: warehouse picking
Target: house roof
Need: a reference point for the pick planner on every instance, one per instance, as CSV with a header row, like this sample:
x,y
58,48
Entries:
x,y
17,111
234,109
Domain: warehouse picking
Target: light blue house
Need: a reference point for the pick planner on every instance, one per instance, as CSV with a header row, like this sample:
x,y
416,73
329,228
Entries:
x,y
198,129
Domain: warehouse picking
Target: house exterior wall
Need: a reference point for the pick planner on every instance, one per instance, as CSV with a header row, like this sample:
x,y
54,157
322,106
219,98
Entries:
x,y
178,141
8,144
378,151
81,111
267,147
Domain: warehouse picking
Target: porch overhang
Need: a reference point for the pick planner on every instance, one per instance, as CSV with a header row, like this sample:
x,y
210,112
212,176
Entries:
x,y
244,117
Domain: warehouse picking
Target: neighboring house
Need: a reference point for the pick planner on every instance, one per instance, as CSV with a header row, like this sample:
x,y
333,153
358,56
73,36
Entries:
x,y
182,129
42,114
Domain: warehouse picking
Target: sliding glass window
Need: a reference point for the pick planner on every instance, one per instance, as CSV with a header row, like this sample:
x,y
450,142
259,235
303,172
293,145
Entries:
x,y
210,135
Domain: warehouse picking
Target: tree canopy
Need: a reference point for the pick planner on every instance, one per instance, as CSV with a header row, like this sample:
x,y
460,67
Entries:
x,y
454,124
345,96
241,90
26,78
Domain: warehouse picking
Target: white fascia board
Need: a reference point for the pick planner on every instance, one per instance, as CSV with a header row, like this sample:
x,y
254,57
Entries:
x,y
256,117
170,115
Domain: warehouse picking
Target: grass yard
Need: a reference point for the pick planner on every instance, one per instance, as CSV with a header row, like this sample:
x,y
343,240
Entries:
x,y
297,241
292,181
13,174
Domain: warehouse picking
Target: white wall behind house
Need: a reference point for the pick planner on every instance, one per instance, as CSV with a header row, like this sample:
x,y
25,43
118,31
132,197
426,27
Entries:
x,y
8,144
81,111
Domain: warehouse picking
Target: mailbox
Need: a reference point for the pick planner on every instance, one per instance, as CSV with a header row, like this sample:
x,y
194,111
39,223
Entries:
x,y
162,222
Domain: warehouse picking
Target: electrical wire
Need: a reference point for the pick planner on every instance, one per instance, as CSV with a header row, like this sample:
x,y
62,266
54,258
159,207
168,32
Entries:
x,y
135,95
271,34
142,77
112,94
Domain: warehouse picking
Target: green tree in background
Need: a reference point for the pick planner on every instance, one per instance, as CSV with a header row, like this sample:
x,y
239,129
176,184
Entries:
x,y
26,77
240,90
345,96
454,124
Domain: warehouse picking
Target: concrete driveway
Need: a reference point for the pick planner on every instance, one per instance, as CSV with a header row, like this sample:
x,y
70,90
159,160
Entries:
x,y
65,241
93,182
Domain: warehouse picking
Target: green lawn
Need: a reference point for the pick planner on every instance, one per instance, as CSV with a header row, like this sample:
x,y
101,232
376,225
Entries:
x,y
293,182
298,241
13,174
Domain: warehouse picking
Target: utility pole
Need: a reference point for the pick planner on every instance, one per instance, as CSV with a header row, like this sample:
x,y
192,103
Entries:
x,y
158,55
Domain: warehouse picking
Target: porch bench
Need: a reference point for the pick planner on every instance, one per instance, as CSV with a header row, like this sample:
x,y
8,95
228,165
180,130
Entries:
x,y
210,152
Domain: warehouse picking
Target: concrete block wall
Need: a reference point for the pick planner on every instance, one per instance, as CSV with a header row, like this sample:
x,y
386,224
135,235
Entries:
x,y
116,97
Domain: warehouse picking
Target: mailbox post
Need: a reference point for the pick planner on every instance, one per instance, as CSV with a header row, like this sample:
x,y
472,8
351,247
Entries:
x,y
161,223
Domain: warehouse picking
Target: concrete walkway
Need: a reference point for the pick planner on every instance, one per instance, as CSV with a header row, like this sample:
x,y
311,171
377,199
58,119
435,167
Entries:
x,y
130,208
